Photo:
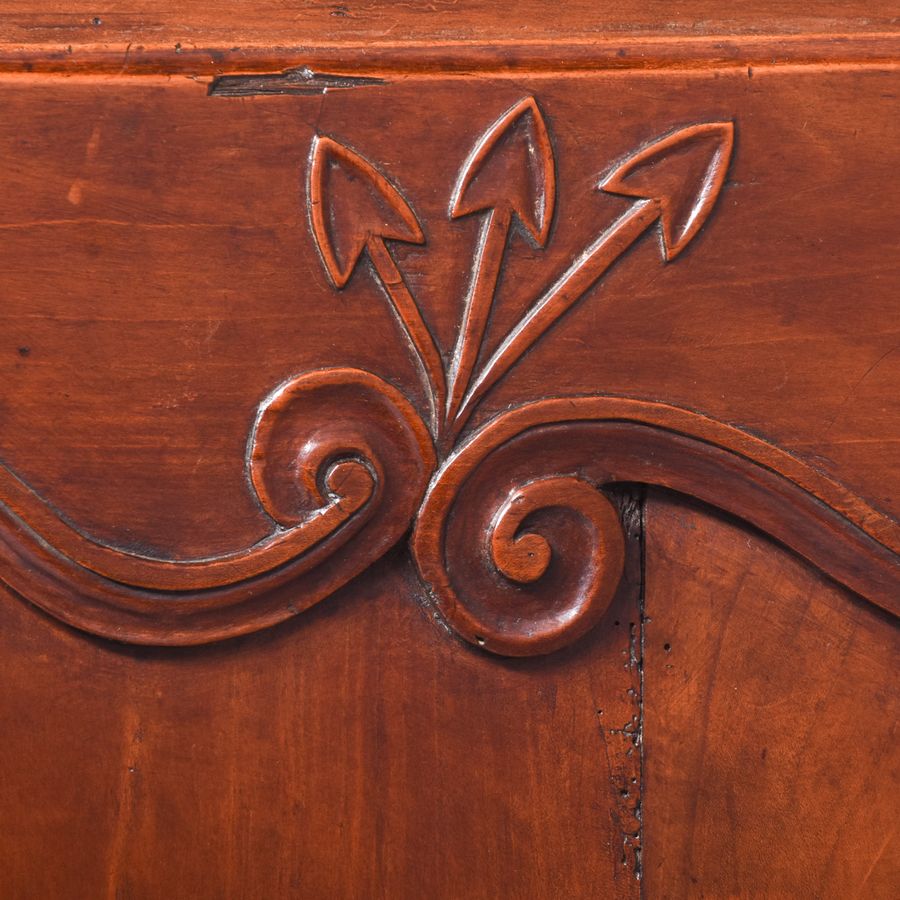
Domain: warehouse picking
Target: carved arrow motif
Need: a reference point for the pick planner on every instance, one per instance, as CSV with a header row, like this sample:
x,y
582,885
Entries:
x,y
677,180
509,175
362,213
342,463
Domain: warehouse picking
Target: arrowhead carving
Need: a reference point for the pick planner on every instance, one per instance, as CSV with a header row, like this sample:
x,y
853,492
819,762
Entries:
x,y
683,174
511,167
350,204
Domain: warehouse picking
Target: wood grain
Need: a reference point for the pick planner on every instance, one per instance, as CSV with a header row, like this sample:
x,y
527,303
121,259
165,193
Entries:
x,y
770,721
461,543
370,204
224,209
277,21
167,311
205,38
354,752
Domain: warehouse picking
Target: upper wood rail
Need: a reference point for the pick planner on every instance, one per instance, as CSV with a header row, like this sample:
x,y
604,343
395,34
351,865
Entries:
x,y
279,22
149,52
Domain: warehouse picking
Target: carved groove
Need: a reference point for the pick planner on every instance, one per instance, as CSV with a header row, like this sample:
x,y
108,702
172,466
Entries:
x,y
603,440
354,209
351,483
551,590
510,177
520,548
660,200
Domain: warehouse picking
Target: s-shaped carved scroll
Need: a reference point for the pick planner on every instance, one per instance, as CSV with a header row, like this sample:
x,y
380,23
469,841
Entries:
x,y
530,484
519,547
348,483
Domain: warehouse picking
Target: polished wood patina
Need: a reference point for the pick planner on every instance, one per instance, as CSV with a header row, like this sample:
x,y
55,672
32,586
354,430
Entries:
x,y
449,451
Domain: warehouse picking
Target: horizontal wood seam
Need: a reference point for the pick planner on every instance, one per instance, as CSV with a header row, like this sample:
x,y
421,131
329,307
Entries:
x,y
457,57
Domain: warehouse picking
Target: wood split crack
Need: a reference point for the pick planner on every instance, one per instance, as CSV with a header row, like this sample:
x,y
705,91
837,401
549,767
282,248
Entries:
x,y
300,80
623,736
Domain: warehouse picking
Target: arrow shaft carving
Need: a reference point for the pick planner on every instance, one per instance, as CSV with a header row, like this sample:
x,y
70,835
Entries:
x,y
417,331
559,298
479,301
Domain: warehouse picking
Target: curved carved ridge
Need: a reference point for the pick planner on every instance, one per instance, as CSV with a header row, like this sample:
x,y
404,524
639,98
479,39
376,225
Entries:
x,y
597,441
520,548
324,482
539,467
355,210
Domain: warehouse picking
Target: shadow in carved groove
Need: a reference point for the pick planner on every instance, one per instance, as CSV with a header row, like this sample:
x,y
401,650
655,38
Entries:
x,y
520,549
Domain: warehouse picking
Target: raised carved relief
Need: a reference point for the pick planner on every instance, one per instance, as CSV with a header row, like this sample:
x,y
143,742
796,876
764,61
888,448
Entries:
x,y
516,543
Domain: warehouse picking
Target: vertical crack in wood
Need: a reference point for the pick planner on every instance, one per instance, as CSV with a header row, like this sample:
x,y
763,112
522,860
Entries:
x,y
642,575
624,744
633,522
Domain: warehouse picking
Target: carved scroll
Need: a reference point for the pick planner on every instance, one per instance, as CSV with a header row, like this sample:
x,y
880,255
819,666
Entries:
x,y
348,483
517,544
533,584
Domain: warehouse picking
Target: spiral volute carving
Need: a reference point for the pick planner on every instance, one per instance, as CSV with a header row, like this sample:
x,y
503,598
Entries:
x,y
520,567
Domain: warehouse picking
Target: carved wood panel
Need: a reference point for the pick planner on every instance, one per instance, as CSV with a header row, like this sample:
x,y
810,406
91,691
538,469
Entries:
x,y
401,338
335,491
770,719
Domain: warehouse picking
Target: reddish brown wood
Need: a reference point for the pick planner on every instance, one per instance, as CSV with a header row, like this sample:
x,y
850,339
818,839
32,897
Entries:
x,y
338,492
826,319
673,184
435,280
606,440
448,36
770,721
357,751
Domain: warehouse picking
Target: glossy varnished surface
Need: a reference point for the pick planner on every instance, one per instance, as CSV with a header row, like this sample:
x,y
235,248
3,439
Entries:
x,y
206,37
166,272
229,270
340,755
770,721
429,294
